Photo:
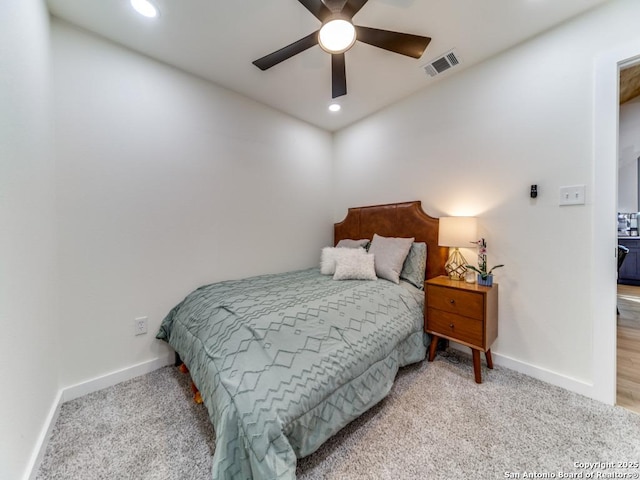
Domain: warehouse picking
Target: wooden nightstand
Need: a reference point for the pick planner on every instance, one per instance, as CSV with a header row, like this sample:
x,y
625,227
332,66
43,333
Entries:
x,y
464,313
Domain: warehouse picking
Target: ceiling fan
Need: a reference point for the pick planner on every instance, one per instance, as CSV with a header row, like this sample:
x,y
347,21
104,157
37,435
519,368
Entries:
x,y
338,34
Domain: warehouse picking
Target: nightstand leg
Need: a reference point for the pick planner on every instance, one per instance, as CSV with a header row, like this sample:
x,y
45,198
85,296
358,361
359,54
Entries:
x,y
433,347
476,365
487,354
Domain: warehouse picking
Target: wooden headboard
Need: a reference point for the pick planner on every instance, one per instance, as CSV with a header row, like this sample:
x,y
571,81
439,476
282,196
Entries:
x,y
396,220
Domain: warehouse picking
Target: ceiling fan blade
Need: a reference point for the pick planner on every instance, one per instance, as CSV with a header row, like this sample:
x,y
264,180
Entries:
x,y
317,8
289,51
338,75
351,7
402,43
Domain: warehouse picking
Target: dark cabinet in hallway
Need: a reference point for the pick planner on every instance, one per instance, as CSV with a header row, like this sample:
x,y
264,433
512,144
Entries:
x,y
629,273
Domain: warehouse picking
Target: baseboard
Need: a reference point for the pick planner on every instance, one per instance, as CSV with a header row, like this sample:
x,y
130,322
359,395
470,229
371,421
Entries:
x,y
113,378
539,373
84,388
43,440
554,378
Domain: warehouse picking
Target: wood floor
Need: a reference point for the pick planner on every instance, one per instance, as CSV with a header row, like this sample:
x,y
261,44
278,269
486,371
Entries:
x,y
628,394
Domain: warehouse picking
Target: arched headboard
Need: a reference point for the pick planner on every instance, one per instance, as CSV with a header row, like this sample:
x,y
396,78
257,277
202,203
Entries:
x,y
396,220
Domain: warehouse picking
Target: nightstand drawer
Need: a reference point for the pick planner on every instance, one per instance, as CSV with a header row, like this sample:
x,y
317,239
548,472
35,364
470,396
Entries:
x,y
455,327
456,301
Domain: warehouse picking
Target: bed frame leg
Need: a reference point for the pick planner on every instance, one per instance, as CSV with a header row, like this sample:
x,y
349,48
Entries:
x,y
197,397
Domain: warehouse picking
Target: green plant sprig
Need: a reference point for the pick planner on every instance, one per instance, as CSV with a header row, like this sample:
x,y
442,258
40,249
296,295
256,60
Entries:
x,y
483,274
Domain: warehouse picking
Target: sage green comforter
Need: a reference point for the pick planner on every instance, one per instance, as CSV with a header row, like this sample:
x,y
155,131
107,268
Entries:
x,y
285,361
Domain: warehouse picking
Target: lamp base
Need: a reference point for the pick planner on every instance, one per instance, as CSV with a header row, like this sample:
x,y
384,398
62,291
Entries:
x,y
455,266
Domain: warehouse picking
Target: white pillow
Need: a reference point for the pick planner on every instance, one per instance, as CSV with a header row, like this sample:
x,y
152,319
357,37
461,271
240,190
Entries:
x,y
355,267
330,255
390,253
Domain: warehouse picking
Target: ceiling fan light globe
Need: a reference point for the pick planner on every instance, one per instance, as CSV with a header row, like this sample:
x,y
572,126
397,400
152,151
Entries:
x,y
145,8
337,36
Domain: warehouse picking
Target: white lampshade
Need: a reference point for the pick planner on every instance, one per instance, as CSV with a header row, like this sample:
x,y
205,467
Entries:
x,y
457,231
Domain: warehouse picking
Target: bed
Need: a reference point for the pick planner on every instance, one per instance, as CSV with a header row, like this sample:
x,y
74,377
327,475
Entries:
x,y
285,361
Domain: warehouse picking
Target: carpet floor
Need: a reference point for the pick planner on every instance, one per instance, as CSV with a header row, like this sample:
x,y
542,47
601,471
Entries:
x,y
436,423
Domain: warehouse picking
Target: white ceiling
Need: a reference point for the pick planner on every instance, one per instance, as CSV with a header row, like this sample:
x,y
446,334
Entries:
x,y
217,40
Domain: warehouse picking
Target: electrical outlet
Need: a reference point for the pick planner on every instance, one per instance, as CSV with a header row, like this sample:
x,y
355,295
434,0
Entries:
x,y
140,326
573,195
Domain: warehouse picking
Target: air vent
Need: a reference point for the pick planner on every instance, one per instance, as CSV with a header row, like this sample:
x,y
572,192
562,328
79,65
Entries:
x,y
442,64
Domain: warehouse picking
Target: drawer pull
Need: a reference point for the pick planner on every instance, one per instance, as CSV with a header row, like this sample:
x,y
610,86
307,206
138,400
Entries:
x,y
451,326
452,301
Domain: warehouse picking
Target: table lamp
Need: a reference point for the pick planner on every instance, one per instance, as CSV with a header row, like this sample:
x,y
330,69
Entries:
x,y
456,232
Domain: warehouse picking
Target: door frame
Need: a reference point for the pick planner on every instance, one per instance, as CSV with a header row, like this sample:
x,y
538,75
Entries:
x,y
604,233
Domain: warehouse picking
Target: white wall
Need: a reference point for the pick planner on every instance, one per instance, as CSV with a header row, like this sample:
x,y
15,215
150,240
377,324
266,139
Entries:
x,y
165,183
28,342
472,145
629,151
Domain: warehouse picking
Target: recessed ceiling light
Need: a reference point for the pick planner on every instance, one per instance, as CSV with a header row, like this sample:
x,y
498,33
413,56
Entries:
x,y
334,107
145,7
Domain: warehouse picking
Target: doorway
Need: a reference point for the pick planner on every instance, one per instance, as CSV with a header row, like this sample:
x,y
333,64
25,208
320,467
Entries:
x,y
628,198
604,233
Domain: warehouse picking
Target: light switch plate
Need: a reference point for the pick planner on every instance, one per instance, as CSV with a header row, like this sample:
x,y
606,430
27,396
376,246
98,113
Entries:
x,y
572,195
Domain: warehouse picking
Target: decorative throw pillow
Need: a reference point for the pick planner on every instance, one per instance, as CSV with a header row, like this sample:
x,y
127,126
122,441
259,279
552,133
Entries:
x,y
349,243
390,254
328,261
355,267
330,255
415,265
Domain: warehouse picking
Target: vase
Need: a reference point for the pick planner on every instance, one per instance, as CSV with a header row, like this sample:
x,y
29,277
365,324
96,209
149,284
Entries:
x,y
487,281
